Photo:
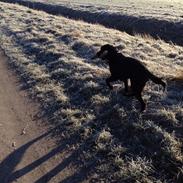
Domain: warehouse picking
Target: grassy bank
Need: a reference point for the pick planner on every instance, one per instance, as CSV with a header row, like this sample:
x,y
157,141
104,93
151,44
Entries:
x,y
111,141
160,19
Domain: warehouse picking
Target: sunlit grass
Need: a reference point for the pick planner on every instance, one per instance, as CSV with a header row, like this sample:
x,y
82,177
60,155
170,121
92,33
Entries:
x,y
53,57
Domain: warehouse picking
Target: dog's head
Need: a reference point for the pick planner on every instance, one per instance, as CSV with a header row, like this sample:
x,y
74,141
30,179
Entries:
x,y
106,52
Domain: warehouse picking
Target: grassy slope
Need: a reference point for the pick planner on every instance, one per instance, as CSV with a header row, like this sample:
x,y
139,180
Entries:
x,y
160,18
159,9
113,141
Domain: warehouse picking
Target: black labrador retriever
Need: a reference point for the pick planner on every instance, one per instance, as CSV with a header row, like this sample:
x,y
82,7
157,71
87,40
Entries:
x,y
124,68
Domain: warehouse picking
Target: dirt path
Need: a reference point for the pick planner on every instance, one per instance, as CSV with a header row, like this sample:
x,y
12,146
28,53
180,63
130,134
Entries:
x,y
27,153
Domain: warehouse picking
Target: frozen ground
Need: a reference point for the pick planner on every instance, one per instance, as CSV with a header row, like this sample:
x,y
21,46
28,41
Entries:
x,y
160,19
159,9
109,140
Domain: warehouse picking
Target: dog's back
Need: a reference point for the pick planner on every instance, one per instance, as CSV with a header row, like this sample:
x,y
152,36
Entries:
x,y
127,67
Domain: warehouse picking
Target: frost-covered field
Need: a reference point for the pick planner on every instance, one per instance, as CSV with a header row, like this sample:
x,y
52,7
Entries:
x,y
109,139
159,9
160,18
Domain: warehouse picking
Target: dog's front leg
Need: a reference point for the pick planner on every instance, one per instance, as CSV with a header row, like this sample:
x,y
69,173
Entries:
x,y
126,85
110,79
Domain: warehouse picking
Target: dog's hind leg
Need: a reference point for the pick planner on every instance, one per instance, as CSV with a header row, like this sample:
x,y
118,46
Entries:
x,y
142,103
137,88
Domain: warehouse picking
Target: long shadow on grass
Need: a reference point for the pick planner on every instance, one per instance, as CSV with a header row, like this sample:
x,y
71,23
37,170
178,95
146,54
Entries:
x,y
86,163
125,126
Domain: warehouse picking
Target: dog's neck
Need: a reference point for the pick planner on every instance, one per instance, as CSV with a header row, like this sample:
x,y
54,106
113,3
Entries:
x,y
114,57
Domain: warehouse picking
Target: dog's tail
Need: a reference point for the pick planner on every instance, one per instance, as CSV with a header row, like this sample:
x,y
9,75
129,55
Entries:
x,y
156,79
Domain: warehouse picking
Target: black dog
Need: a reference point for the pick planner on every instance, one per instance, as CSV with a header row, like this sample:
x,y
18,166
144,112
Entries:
x,y
124,68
